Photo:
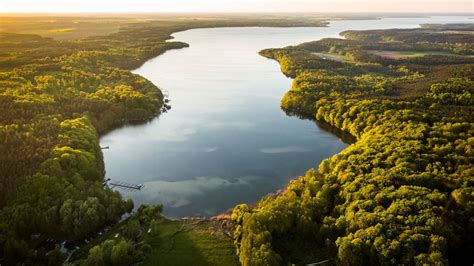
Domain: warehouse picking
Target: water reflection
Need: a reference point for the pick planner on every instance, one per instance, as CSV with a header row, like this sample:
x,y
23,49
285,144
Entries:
x,y
225,141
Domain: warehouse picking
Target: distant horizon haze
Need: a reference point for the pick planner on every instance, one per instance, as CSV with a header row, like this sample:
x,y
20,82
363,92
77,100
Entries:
x,y
237,6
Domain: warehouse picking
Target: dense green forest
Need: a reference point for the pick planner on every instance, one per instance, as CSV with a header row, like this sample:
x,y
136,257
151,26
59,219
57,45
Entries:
x,y
403,192
63,82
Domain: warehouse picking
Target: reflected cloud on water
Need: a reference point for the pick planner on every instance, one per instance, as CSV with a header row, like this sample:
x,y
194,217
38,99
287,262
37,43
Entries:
x,y
288,149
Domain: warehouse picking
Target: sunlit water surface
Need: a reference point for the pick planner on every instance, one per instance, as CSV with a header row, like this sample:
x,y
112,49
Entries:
x,y
225,141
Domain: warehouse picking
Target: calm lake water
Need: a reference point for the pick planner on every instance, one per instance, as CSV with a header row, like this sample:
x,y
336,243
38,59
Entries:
x,y
225,141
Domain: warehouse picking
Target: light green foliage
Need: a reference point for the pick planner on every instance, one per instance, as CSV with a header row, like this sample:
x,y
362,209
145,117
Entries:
x,y
402,193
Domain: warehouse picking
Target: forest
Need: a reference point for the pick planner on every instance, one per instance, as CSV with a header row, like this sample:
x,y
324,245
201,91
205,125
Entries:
x,y
56,96
402,193
64,81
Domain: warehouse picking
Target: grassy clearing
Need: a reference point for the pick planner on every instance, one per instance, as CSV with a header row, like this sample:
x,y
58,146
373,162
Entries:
x,y
62,30
334,57
407,54
182,243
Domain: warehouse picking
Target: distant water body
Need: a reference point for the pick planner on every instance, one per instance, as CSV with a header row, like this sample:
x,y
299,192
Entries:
x,y
225,141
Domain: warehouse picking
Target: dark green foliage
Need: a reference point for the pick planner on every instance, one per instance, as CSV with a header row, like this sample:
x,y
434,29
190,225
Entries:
x,y
55,257
65,199
129,246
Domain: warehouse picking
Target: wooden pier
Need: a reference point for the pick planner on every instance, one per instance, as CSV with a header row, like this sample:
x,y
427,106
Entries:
x,y
126,186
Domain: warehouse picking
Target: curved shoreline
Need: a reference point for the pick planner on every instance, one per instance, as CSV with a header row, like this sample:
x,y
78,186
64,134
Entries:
x,y
311,118
275,98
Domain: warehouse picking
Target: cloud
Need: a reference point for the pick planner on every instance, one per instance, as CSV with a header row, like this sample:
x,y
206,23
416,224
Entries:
x,y
210,149
288,149
176,194
240,125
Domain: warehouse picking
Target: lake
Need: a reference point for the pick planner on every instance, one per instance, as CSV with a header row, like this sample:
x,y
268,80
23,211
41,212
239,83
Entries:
x,y
225,141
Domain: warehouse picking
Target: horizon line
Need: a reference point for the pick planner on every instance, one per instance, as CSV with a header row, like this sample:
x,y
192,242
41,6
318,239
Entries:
x,y
238,12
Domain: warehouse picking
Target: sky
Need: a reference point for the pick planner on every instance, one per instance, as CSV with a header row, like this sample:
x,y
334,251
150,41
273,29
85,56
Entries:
x,y
100,6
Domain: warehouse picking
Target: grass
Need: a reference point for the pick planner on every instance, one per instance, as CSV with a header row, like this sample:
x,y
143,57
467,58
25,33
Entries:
x,y
334,57
62,30
191,244
407,54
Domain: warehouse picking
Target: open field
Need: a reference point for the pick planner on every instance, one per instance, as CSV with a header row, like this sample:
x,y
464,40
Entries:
x,y
62,28
334,57
406,54
191,243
